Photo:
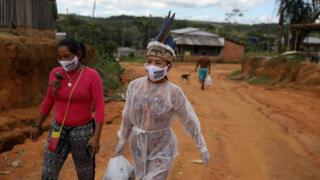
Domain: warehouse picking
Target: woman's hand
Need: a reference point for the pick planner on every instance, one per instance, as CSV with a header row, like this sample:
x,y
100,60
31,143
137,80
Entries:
x,y
205,156
35,133
36,130
94,144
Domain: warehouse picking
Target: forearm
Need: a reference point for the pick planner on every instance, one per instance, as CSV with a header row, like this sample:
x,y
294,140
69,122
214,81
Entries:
x,y
191,123
197,66
42,117
192,127
98,129
126,125
201,143
125,130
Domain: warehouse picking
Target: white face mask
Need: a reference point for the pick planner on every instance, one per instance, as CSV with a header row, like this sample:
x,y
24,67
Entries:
x,y
156,73
69,65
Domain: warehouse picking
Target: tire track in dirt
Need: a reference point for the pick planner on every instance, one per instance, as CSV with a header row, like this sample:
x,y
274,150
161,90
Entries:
x,y
257,146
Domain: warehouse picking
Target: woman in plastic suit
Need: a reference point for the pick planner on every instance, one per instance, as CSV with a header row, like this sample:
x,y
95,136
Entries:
x,y
151,103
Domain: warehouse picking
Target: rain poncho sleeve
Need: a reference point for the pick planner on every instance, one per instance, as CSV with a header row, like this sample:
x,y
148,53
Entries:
x,y
126,124
189,119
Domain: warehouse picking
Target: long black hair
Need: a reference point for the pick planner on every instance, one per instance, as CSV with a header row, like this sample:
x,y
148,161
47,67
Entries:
x,y
74,46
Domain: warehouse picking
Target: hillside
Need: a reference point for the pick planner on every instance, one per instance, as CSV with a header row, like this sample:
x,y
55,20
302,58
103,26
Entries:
x,y
108,33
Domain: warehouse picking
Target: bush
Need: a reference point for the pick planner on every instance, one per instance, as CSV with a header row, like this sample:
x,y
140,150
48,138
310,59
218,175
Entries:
x,y
262,80
111,48
262,53
110,71
296,58
235,75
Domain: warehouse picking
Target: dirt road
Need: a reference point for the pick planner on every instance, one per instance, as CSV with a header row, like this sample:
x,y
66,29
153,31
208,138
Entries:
x,y
252,132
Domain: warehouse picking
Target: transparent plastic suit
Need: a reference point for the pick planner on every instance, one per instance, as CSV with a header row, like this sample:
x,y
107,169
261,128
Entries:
x,y
146,121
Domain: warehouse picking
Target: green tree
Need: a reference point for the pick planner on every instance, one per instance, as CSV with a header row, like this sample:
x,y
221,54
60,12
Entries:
x,y
231,18
111,48
296,12
233,15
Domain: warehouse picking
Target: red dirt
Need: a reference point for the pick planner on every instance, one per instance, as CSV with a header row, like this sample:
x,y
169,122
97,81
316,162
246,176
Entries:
x,y
300,75
252,132
24,68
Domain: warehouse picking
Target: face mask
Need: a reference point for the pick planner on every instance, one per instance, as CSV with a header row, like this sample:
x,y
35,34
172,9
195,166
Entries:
x,y
156,73
69,65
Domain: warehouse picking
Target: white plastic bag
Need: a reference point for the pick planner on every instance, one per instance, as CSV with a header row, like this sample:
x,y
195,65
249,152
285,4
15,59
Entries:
x,y
119,168
208,81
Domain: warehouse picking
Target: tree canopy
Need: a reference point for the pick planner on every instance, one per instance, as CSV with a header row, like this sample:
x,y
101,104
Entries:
x,y
296,12
136,32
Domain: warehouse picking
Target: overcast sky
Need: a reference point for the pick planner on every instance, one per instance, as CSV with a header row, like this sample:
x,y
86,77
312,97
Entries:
x,y
255,11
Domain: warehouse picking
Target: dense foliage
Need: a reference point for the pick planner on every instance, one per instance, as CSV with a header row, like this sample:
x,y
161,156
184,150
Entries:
x,y
108,33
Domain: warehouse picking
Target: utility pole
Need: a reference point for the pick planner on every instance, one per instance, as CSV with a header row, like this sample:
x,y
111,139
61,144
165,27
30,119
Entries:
x,y
289,38
123,32
94,8
268,44
280,25
149,30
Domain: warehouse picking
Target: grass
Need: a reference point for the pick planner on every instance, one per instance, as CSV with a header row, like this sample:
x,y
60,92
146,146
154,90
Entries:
x,y
296,58
260,80
262,53
234,74
290,63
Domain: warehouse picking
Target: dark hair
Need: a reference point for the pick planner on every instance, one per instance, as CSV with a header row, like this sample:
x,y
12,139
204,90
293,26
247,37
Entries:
x,y
74,46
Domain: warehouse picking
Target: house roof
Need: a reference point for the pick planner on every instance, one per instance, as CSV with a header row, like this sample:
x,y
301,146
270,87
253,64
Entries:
x,y
184,30
203,33
311,40
306,27
199,41
236,42
125,49
192,31
197,37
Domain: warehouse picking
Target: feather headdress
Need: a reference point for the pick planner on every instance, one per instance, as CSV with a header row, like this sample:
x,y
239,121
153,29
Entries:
x,y
163,44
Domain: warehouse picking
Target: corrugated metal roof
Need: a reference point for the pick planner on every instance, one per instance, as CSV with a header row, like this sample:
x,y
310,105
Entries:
x,y
203,33
194,36
311,40
199,41
184,30
193,31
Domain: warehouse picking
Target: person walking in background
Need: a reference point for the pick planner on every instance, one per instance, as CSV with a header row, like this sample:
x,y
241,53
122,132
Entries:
x,y
204,69
151,103
72,89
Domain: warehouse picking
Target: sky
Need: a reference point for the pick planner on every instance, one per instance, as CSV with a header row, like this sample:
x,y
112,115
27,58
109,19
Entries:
x,y
254,11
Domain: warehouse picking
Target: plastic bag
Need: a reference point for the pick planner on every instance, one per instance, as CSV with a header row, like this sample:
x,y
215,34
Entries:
x,y
119,168
208,81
